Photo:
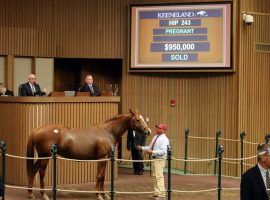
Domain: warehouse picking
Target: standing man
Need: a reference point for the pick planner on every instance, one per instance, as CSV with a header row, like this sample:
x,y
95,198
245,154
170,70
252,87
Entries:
x,y
89,86
255,182
158,150
135,139
31,88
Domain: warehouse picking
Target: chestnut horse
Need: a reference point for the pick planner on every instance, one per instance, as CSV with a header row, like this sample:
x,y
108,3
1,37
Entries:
x,y
86,144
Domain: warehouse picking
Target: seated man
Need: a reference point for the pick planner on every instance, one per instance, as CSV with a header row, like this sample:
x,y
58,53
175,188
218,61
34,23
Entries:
x,y
4,91
31,88
90,87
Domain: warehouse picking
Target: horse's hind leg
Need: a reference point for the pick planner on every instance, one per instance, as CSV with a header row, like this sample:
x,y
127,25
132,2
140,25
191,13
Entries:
x,y
42,171
31,178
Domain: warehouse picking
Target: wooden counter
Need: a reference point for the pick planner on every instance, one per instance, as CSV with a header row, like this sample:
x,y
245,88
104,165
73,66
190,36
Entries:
x,y
20,115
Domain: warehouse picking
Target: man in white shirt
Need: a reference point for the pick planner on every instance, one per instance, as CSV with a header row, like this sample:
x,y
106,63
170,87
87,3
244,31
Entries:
x,y
255,182
158,150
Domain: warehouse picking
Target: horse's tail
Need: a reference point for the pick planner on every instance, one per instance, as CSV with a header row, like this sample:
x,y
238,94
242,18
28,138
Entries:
x,y
30,154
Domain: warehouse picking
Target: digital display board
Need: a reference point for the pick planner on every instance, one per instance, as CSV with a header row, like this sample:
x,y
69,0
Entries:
x,y
196,36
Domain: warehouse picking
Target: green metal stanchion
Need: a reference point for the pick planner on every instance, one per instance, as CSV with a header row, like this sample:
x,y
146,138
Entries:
x,y
218,134
150,165
3,147
186,149
242,137
267,138
112,159
53,153
220,151
169,158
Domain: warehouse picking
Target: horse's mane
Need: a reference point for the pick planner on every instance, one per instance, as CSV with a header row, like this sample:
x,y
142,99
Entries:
x,y
116,117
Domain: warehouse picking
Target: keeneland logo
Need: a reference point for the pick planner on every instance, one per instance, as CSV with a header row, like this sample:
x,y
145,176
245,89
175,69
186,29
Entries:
x,y
202,13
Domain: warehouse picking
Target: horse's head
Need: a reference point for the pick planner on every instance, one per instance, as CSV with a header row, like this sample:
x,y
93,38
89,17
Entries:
x,y
137,123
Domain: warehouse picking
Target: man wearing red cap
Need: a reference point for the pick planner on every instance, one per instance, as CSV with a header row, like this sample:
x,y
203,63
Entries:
x,y
158,150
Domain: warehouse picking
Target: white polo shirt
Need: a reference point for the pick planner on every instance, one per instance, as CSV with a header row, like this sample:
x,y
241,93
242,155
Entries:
x,y
160,147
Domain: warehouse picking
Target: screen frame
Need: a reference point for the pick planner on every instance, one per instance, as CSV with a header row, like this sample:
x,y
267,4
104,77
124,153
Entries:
x,y
231,67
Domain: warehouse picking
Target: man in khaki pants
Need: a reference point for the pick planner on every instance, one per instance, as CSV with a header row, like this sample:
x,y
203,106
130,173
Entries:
x,y
158,150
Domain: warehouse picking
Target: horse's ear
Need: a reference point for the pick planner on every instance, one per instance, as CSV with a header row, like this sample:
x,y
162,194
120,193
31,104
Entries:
x,y
131,111
137,111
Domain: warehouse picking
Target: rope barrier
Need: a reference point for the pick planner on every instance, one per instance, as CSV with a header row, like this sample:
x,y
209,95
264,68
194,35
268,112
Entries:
x,y
230,189
225,160
82,191
190,174
26,188
150,192
126,160
204,138
248,164
251,142
77,160
226,176
248,158
28,158
232,140
231,162
193,160
194,191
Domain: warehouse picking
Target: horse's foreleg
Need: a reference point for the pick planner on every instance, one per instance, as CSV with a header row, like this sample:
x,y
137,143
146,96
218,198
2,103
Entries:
x,y
105,196
42,171
31,178
100,179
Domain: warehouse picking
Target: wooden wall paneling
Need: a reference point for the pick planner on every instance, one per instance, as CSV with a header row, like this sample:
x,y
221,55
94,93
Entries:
x,y
254,77
9,71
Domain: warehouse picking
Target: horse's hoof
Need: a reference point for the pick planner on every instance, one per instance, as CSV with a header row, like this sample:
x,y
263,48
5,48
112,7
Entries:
x,y
45,197
106,197
99,197
31,196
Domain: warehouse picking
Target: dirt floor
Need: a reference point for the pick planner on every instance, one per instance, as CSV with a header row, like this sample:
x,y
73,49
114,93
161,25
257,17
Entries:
x,y
127,181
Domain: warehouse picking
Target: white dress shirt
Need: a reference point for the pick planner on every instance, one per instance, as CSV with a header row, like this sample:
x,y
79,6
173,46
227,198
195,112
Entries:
x,y
160,147
263,173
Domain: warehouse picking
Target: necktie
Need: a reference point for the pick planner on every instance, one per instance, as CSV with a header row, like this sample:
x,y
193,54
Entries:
x,y
92,89
154,142
268,184
33,89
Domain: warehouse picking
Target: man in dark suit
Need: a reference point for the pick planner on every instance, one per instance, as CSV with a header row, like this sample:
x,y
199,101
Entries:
x,y
31,88
255,182
90,87
4,91
135,139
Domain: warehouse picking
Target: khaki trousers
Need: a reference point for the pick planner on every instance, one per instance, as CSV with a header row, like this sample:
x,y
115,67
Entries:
x,y
158,178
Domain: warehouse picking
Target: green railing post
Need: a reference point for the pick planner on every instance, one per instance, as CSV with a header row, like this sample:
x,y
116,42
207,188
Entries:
x,y
218,134
169,158
267,138
242,137
220,151
3,147
112,159
186,149
53,153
